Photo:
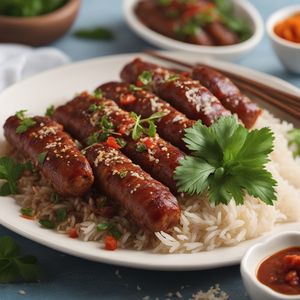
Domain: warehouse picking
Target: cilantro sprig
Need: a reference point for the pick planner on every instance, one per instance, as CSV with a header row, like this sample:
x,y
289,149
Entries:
x,y
11,172
294,141
25,122
14,266
111,228
145,126
226,162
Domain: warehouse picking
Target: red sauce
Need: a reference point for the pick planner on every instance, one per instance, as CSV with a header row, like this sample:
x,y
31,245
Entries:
x,y
281,271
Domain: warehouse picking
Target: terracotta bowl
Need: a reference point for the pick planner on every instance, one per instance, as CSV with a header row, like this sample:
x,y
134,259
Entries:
x,y
40,30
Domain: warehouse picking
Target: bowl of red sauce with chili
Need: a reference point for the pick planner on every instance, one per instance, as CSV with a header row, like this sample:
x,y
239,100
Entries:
x,y
271,269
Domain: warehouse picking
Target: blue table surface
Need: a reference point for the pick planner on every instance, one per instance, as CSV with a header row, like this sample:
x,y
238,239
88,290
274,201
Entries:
x,y
67,277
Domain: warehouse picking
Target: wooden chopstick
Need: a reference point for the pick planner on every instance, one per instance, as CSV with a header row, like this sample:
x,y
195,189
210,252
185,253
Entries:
x,y
283,100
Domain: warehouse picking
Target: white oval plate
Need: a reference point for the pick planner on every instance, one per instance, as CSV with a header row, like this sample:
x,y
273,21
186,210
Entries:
x,y
59,85
243,8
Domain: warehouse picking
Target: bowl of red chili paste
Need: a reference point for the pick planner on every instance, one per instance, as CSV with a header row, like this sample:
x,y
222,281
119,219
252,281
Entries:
x,y
271,269
224,29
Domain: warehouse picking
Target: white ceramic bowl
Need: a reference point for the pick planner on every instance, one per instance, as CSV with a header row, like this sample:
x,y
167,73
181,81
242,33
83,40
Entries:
x,y
255,256
242,8
287,52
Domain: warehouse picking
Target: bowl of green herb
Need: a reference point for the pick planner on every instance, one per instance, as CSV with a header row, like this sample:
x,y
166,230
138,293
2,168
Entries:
x,y
36,22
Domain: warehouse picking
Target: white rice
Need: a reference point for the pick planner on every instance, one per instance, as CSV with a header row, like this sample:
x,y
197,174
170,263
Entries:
x,y
202,226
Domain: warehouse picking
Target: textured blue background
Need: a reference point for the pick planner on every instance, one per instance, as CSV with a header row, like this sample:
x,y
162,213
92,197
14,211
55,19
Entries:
x,y
67,277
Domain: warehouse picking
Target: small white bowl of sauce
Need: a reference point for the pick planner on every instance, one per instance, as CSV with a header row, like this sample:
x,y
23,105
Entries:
x,y
271,269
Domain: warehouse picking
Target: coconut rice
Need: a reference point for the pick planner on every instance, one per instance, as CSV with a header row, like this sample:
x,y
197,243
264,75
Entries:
x,y
202,225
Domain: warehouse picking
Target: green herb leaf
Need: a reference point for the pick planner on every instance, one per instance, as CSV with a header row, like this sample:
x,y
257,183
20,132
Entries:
x,y
111,228
98,94
97,33
134,88
93,139
173,77
105,124
294,141
25,123
121,142
61,214
94,107
123,174
103,226
50,111
141,148
27,211
42,157
227,160
13,266
145,77
10,171
47,224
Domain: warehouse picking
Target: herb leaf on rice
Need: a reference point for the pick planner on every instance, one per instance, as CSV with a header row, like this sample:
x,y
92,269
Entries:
x,y
226,162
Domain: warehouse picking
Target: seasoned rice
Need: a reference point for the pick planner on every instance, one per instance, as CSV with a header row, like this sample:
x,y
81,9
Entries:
x,y
202,227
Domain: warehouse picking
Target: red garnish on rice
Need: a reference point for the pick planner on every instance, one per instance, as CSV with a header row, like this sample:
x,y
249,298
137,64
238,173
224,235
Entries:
x,y
73,233
127,99
110,243
112,142
27,217
149,143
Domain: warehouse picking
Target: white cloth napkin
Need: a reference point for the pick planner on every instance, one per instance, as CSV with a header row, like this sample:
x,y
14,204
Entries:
x,y
18,62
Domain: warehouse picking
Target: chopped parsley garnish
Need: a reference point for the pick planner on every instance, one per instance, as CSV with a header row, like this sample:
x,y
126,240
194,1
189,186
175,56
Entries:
x,y
134,88
98,94
150,128
11,172
25,122
111,228
46,223
145,78
27,211
94,107
105,124
50,111
61,214
93,139
97,33
123,174
173,77
227,161
42,157
294,141
141,147
121,142
14,266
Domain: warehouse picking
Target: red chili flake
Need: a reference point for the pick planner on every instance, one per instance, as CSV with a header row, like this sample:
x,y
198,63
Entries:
x,y
148,143
112,142
127,99
110,243
73,233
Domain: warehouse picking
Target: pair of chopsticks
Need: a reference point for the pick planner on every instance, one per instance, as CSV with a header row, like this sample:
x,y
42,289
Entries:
x,y
285,101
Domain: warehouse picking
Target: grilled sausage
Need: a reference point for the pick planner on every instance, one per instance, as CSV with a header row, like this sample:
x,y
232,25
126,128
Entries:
x,y
149,202
229,94
188,96
221,34
64,166
170,127
155,155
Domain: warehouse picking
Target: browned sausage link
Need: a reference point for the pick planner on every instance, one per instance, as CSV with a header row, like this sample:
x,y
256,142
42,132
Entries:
x,y
160,159
64,166
170,127
188,96
152,16
221,34
229,94
149,202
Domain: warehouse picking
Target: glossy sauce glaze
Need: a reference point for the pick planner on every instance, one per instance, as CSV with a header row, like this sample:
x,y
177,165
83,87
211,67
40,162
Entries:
x,y
281,271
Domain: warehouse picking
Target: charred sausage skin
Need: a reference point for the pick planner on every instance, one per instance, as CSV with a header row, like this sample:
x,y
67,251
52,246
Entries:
x,y
228,93
170,127
183,93
149,202
64,166
160,158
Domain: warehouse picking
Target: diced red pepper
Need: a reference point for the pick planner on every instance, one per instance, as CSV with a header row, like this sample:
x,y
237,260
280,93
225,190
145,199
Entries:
x,y
148,143
27,217
73,233
123,130
185,74
110,243
139,83
127,99
112,142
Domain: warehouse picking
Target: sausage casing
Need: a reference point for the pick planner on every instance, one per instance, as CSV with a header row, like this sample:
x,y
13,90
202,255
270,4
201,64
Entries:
x,y
64,165
149,202
228,93
183,93
170,127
